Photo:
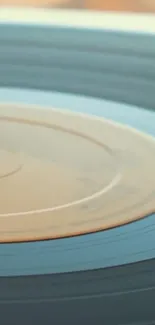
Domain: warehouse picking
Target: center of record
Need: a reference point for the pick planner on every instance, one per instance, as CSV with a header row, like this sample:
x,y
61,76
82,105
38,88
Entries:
x,y
79,174
10,164
59,166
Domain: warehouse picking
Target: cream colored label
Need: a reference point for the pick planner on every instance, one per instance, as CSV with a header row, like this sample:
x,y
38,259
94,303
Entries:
x,y
79,174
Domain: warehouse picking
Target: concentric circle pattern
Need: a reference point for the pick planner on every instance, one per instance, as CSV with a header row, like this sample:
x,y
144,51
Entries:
x,y
65,172
73,168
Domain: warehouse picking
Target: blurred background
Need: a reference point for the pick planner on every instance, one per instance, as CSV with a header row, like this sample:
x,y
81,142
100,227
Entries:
x,y
107,5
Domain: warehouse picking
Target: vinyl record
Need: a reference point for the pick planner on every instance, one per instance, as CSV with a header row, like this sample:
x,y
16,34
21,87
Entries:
x,y
77,155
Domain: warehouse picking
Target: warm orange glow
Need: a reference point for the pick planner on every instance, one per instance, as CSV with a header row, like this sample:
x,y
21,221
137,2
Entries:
x,y
112,5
